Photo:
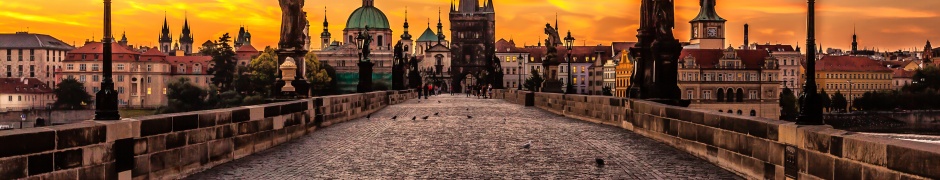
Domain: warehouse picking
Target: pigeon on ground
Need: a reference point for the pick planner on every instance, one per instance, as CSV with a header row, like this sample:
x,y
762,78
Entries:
x,y
438,101
413,118
469,117
425,117
395,117
369,116
436,114
527,145
600,162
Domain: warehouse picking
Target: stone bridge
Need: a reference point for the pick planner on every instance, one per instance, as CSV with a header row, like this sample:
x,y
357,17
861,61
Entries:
x,y
336,137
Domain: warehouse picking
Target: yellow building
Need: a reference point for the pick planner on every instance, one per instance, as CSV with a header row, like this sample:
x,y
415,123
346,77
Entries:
x,y
852,76
624,71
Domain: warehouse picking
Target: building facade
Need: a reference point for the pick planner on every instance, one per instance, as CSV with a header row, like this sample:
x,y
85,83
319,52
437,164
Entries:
x,y
18,94
624,71
514,61
26,55
344,55
852,76
791,65
743,82
473,38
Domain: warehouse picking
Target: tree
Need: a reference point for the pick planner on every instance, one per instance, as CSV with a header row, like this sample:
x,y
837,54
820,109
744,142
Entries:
x,y
534,82
70,94
242,82
183,96
839,102
263,71
788,105
224,69
826,100
607,91
317,76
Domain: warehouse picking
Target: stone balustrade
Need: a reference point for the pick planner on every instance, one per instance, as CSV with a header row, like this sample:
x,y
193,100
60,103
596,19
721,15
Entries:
x,y
171,146
755,148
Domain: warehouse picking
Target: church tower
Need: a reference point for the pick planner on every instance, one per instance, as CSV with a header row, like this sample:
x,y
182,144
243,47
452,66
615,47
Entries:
x,y
325,35
123,41
186,39
406,41
708,29
165,38
854,42
928,51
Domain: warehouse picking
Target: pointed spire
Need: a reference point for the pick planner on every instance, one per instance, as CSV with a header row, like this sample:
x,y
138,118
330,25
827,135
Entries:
x,y
406,36
556,21
440,27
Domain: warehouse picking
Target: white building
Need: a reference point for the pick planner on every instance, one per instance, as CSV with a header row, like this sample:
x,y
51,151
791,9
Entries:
x,y
17,94
32,56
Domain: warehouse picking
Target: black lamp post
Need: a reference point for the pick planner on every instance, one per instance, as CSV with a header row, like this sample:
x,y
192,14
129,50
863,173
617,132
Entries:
x,y
569,41
810,106
520,59
106,99
365,64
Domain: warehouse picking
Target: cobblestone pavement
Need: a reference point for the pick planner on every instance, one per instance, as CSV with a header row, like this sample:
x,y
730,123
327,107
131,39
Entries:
x,y
451,146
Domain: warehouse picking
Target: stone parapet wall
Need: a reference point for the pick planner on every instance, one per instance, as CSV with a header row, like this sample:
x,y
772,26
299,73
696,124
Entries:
x,y
171,146
756,147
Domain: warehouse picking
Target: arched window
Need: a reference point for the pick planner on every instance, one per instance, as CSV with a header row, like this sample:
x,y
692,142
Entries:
x,y
730,112
739,112
721,110
740,95
181,68
197,69
753,113
380,41
730,95
720,94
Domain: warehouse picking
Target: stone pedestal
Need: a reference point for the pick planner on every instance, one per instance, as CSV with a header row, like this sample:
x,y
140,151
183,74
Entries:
x,y
365,77
300,83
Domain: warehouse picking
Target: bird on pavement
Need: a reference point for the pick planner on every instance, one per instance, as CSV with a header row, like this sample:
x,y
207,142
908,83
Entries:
x,y
438,101
425,117
504,120
599,161
527,145
413,118
436,114
395,117
469,117
369,116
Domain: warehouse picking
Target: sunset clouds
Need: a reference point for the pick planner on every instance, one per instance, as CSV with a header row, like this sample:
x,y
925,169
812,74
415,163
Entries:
x,y
888,25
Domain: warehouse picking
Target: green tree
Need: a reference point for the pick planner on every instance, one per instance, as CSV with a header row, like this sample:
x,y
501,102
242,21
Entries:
x,y
316,75
70,94
183,96
788,105
223,55
839,102
263,71
534,82
826,100
242,82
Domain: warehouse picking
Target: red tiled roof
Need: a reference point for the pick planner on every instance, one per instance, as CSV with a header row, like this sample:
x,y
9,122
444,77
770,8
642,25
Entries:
x,y
578,52
850,64
153,54
24,86
118,52
709,58
189,62
247,48
775,48
901,73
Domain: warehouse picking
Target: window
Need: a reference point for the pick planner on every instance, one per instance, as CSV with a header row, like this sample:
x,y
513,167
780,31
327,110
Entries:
x,y
70,66
94,78
32,55
148,91
9,56
94,67
81,78
149,68
20,54
196,69
706,94
94,89
81,67
689,94
120,67
164,91
181,68
10,99
752,95
148,79
120,90
120,78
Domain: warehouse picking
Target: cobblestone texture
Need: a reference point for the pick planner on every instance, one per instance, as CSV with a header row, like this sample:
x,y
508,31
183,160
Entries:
x,y
451,146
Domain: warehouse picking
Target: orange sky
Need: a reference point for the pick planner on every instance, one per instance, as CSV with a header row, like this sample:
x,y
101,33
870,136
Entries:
x,y
888,25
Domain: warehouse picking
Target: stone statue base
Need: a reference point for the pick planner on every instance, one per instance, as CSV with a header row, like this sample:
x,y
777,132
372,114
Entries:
x,y
300,83
552,86
365,77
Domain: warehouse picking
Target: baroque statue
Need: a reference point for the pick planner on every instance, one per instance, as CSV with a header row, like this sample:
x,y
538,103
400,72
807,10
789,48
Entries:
x,y
293,23
656,55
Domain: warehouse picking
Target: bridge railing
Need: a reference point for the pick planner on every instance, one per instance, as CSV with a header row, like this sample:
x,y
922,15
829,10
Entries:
x,y
756,148
171,146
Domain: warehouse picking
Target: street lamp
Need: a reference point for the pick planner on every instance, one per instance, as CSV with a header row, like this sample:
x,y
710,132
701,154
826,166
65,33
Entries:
x,y
365,64
568,43
106,99
850,96
520,59
810,106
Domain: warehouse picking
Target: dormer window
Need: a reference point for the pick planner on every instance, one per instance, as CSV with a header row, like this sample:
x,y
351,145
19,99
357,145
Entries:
x,y
181,68
196,69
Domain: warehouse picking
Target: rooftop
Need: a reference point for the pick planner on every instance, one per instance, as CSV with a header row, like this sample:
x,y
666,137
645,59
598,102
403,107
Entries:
x,y
23,86
24,40
850,64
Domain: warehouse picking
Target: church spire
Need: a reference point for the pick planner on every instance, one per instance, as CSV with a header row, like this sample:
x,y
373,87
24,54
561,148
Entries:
x,y
406,36
440,27
556,21
854,41
325,35
186,37
708,12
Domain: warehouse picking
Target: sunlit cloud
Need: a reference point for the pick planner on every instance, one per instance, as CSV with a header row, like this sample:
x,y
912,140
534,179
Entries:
x,y
592,22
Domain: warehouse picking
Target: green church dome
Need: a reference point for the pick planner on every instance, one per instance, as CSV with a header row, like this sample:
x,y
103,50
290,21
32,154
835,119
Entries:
x,y
367,16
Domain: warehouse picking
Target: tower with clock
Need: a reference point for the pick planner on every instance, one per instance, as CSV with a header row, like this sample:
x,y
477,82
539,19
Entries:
x,y
708,29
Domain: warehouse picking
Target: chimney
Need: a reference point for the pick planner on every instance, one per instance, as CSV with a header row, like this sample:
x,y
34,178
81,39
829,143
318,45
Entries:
x,y
746,43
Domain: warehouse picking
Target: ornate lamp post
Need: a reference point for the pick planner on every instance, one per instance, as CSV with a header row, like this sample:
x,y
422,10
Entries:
x,y
520,59
849,94
106,99
810,106
365,64
569,41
